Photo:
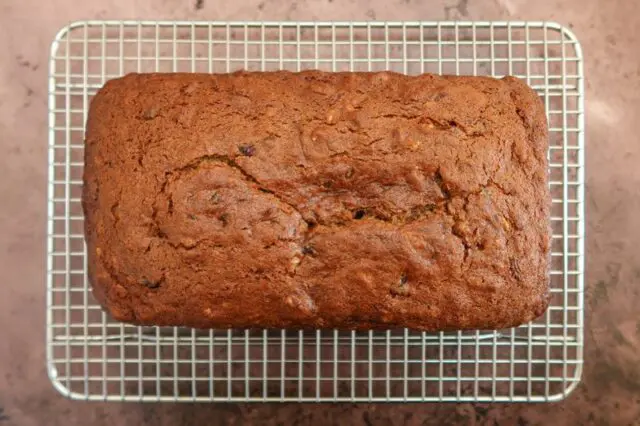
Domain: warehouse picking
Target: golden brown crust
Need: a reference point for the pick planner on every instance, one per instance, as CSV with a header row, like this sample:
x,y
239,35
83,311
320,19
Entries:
x,y
303,200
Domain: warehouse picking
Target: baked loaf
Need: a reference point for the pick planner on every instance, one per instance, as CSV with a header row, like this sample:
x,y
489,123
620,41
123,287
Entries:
x,y
318,200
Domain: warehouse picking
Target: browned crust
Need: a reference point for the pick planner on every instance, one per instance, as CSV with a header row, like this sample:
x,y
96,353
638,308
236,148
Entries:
x,y
303,200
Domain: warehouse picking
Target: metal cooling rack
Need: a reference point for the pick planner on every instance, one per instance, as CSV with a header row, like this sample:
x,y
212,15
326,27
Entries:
x,y
93,358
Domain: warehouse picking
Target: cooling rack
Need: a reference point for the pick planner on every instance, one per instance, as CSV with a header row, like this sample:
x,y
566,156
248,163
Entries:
x,y
91,357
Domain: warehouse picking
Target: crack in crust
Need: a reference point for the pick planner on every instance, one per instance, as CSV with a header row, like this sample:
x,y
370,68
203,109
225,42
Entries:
x,y
193,165
229,161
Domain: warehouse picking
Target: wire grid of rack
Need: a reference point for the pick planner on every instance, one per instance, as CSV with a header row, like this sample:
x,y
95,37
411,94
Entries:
x,y
92,357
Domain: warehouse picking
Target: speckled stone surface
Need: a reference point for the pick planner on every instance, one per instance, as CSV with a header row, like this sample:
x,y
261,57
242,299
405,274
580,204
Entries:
x,y
610,391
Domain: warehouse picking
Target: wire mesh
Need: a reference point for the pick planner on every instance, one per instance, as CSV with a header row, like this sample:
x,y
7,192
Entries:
x,y
92,357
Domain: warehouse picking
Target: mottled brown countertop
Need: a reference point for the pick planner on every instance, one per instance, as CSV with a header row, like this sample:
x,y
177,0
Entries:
x,y
610,391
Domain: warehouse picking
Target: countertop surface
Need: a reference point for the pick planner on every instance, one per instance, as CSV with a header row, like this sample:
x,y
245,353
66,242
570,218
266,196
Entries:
x,y
610,391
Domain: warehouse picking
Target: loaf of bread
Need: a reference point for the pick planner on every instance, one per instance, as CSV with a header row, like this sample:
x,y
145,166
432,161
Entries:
x,y
318,200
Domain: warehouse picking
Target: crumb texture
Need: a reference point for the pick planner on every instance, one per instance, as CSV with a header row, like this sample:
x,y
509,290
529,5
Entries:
x,y
318,200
